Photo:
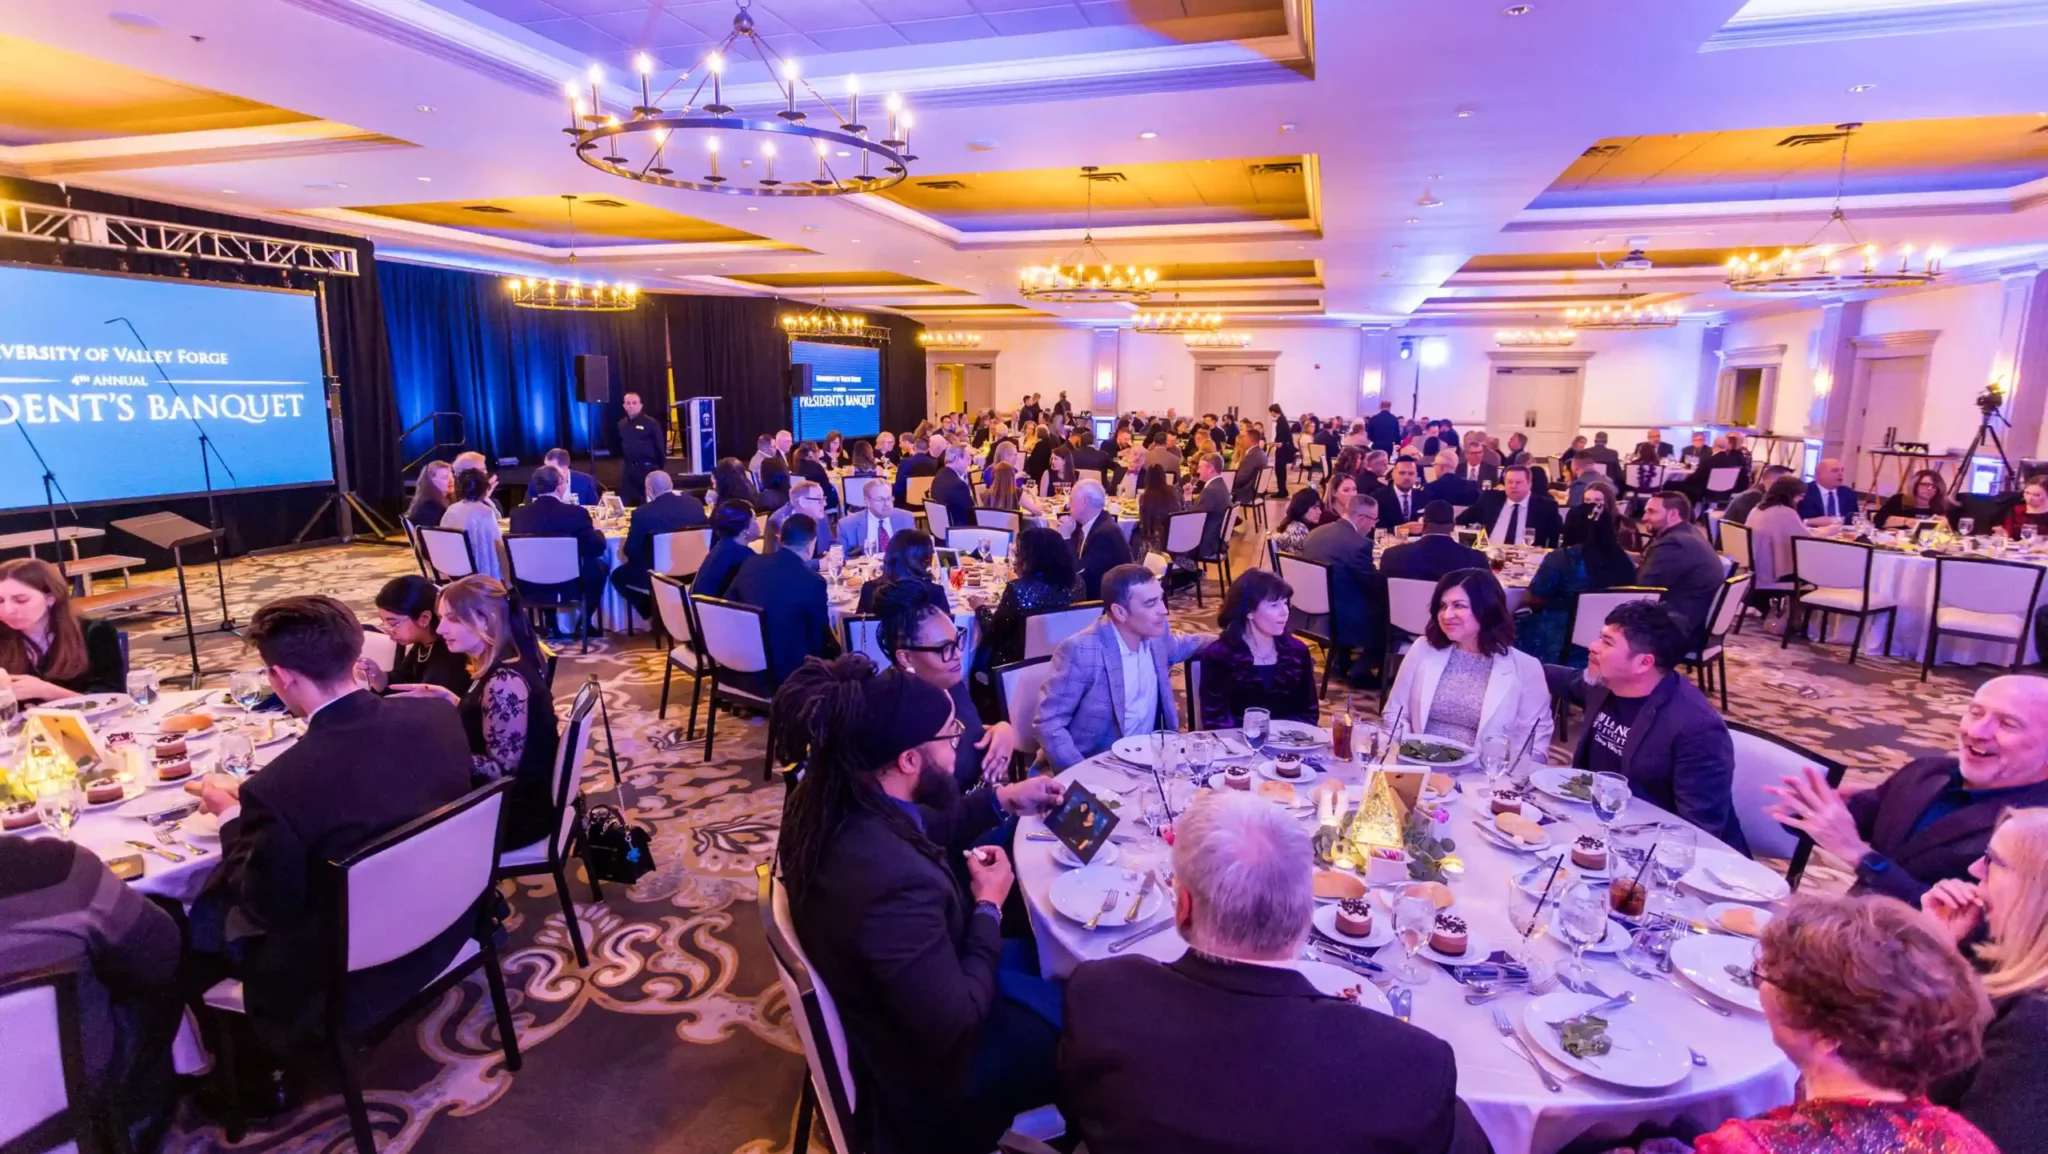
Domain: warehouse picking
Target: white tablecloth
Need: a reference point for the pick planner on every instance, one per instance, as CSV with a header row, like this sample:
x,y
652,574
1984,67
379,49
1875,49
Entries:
x,y
1745,1074
1908,578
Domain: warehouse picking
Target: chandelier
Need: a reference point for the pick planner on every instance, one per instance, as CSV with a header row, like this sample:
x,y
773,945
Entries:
x,y
1623,316
1534,338
696,136
1177,321
1085,274
948,339
825,321
1238,340
1829,267
572,295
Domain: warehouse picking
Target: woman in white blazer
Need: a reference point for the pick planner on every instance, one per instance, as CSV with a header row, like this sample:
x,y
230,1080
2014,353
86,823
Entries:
x,y
1464,679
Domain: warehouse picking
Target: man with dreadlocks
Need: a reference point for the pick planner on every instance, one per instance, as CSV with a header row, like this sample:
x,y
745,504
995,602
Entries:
x,y
945,1043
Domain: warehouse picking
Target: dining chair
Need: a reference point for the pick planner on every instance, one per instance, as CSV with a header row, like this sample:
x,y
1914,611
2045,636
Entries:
x,y
999,519
686,650
828,1087
1310,610
681,553
1721,483
396,894
47,1104
1833,577
915,490
550,855
1018,688
1709,662
1735,543
972,538
735,639
549,573
1589,612
853,491
380,648
1407,619
862,633
1095,475
937,521
1157,563
448,553
1762,760
1984,599
412,540
1044,629
1184,539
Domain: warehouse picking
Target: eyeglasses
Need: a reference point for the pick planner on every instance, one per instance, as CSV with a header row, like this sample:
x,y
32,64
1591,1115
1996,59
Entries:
x,y
946,652
953,730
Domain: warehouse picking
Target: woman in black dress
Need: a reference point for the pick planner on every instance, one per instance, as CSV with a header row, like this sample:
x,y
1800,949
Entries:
x,y
730,481
1158,501
1284,448
1257,663
406,610
507,712
1925,496
1042,576
907,558
47,651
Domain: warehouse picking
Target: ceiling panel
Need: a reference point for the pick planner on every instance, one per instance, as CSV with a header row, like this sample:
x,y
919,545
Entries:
x,y
834,280
1590,261
544,220
50,96
1182,192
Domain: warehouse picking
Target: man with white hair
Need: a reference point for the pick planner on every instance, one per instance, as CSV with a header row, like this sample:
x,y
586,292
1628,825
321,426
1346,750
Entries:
x,y
866,533
1139,1050
1450,486
665,511
950,488
1099,542
1934,817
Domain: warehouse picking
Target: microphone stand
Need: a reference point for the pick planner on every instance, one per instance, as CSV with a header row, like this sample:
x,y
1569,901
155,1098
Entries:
x,y
50,501
208,452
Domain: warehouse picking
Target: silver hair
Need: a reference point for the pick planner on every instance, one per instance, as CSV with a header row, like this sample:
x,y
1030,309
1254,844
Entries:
x,y
867,492
1376,457
659,482
956,456
1246,863
805,489
1092,491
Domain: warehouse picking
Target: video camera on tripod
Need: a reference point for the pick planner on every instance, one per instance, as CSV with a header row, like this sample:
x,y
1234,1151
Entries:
x,y
1990,401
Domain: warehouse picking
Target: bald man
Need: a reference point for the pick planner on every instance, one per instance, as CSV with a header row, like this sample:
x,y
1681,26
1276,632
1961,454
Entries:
x,y
1828,501
1933,817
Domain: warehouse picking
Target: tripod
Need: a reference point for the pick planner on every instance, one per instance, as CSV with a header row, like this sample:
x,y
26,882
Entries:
x,y
2008,477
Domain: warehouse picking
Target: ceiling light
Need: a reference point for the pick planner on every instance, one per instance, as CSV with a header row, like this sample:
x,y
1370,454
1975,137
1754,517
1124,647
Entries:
x,y
1518,10
602,137
826,321
1178,321
1833,267
1463,112
136,21
948,339
1622,315
572,295
1287,126
424,179
1534,338
1085,274
1428,200
422,108
227,192
1861,87
753,208
1412,220
1237,340
1148,134
856,240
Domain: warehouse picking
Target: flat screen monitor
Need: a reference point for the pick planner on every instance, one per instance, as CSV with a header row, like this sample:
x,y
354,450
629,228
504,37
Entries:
x,y
846,391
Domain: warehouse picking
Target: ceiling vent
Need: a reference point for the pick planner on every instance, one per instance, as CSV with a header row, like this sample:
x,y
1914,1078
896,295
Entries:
x,y
1106,177
1278,168
943,185
1802,139
486,208
1602,150
1636,260
606,203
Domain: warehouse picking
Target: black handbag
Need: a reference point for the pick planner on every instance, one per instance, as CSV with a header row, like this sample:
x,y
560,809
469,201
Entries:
x,y
614,849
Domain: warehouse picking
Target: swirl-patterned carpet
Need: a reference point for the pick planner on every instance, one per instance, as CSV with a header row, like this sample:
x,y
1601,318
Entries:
x,y
677,1036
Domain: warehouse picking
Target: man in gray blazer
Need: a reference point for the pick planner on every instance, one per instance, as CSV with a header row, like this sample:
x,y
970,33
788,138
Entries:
x,y
1244,487
867,533
1115,679
1214,499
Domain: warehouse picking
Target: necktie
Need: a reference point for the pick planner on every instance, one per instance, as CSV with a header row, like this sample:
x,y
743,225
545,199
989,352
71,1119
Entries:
x,y
1514,525
1831,503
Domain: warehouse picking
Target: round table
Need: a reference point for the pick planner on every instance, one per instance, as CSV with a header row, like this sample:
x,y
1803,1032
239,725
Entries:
x,y
1907,579
1745,1073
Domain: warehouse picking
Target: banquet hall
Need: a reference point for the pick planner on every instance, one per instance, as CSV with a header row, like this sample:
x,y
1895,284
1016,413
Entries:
x,y
1368,575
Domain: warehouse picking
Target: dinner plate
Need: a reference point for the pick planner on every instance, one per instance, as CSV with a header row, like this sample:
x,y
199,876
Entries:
x,y
1295,735
1068,858
1489,832
1645,1056
1466,754
1752,883
1618,938
1339,982
1078,895
1270,770
1477,948
1325,919
1136,750
91,706
285,729
151,804
1705,960
1551,782
200,825
1100,779
129,792
1714,912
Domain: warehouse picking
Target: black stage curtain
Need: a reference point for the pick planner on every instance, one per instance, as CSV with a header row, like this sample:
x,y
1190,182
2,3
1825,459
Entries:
x,y
732,348
904,397
362,360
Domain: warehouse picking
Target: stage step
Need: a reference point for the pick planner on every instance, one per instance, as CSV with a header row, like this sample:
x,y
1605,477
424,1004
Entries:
x,y
105,563
125,599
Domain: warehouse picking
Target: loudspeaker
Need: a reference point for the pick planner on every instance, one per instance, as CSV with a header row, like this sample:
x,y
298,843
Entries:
x,y
593,378
800,380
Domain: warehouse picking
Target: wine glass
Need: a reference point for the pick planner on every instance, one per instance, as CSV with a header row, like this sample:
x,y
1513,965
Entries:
x,y
1525,895
1676,849
1152,809
1414,918
1201,755
2028,534
237,755
1255,720
1610,800
248,687
58,802
1582,922
1493,758
1528,538
142,686
1966,526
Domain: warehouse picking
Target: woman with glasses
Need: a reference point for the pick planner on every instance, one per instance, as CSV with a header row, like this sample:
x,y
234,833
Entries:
x,y
1925,496
406,608
919,636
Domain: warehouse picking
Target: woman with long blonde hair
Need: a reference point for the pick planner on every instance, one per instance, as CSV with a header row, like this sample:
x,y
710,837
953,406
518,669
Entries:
x,y
508,711
47,651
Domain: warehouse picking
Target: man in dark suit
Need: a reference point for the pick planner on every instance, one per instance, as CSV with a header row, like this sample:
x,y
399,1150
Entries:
x,y
1929,821
1604,454
1383,429
1213,499
1344,544
1680,560
1475,468
1432,553
950,488
1724,456
917,464
732,527
366,765
1698,451
1040,457
1649,724
1099,541
900,912
1518,451
1137,1060
1087,455
1403,500
643,448
550,515
666,511
1516,506
782,582
1828,501
1030,410
1450,485
1654,441
582,485
1244,486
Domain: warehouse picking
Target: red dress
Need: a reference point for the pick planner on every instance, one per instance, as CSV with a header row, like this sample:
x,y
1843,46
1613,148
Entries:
x,y
1849,1126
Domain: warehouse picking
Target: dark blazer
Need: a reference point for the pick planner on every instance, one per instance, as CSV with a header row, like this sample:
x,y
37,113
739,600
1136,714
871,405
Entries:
x,y
715,575
1138,1072
951,489
583,485
1663,449
1430,556
1104,548
1812,504
1454,489
1389,498
893,935
1886,815
1355,591
1383,431
2006,1094
434,664
668,513
1682,562
365,765
1231,683
1730,459
1679,755
914,465
1214,500
1541,512
798,624
1244,486
1606,455
1488,472
1095,457
1039,459
547,516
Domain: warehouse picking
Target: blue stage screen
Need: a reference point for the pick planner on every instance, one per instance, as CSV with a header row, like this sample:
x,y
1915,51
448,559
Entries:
x,y
846,391
241,363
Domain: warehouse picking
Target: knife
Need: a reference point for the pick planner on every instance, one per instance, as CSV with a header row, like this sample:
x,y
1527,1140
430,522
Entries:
x,y
158,850
1144,891
1128,940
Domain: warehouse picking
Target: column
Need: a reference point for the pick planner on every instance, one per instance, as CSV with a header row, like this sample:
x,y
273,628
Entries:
x,y
1706,394
1103,374
2021,360
1375,350
1834,372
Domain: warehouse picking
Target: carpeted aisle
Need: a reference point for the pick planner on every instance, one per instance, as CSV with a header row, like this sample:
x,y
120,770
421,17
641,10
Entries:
x,y
677,1038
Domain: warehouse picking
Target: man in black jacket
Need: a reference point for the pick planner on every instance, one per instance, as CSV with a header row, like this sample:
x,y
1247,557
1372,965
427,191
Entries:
x,y
366,765
947,1043
1433,553
1087,455
1450,485
549,515
1098,538
917,464
1343,543
781,581
666,511
1514,507
643,447
1383,429
1681,561
950,488
1138,1057
1214,500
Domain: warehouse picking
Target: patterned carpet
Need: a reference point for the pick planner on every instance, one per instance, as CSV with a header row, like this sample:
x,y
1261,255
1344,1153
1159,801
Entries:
x,y
677,1038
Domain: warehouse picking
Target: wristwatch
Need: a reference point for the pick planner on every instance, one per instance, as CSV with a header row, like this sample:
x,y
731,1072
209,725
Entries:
x,y
1873,862
991,909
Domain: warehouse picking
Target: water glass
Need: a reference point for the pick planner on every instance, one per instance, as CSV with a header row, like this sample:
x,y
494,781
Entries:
x,y
1528,538
58,802
237,756
10,707
1677,848
1966,526
1525,895
1610,800
1255,722
142,686
248,687
1414,918
1201,755
1582,922
2028,534
1493,758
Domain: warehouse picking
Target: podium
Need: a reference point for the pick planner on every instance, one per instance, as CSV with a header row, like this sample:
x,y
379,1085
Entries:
x,y
172,532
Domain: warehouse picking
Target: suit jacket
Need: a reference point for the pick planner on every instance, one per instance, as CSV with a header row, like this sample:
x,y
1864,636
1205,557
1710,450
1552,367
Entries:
x,y
1679,755
1489,470
1682,562
668,513
1215,501
1081,713
1812,504
853,531
782,583
1429,557
1101,460
1104,548
1541,512
583,485
2004,1094
1516,701
1355,590
1725,460
893,935
914,465
1383,431
1453,489
1663,450
1390,504
365,766
720,565
549,517
1039,459
950,489
1137,1066
1886,817
1244,487
1606,455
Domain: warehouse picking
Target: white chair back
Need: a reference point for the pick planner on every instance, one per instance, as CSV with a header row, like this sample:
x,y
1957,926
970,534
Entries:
x,y
1310,581
915,490
1094,475
817,1020
941,522
1729,606
570,754
672,605
402,890
1407,603
999,519
971,539
1591,611
1831,564
1763,760
1722,480
1184,531
1158,563
447,552
853,491
39,1019
1735,543
1982,585
1044,630
542,560
863,634
1022,685
681,553
735,636
380,649
1597,468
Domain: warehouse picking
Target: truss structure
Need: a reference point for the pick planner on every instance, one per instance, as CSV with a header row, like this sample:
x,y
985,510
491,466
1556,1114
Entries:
x,y
57,225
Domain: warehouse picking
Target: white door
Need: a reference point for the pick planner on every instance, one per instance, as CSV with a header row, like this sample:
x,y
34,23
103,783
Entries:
x,y
1538,401
1247,388
981,387
1894,392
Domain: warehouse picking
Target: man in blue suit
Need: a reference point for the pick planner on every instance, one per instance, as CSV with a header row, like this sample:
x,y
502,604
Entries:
x,y
1383,429
1827,500
1451,486
551,515
665,511
582,486
1433,554
782,582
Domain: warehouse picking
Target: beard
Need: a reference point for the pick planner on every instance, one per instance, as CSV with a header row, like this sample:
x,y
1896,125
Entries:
x,y
936,788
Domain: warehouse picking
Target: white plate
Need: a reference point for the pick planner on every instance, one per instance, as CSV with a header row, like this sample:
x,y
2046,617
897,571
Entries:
x,y
91,706
1714,912
1551,782
1078,895
286,729
1068,858
1269,769
1467,758
1325,919
1644,1057
1704,960
150,804
1490,833
1618,938
129,792
1101,780
1552,853
200,825
1763,884
1477,948
1136,750
1295,735
1339,982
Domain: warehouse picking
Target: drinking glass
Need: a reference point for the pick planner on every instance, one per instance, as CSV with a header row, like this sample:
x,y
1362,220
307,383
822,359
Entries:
x,y
142,686
1528,538
248,687
237,756
1201,755
1414,918
1493,758
58,801
10,708
1966,526
1582,922
1677,847
1152,808
2028,534
1255,720
1610,800
1525,894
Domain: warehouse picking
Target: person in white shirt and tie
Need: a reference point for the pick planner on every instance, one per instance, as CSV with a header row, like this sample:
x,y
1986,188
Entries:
x,y
1515,508
1828,501
1475,468
867,533
1404,505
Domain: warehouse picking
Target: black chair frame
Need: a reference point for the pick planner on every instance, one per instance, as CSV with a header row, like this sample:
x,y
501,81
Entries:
x,y
1801,585
668,662
1835,771
81,1123
833,1096
427,566
552,598
555,864
712,670
1934,631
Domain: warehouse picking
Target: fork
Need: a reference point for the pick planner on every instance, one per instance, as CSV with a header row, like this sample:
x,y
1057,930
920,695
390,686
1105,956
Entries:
x,y
1515,1043
1108,904
167,834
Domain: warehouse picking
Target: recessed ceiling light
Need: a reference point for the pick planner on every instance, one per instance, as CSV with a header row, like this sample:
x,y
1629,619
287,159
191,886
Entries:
x,y
1861,87
1429,200
1148,134
917,262
1463,112
981,146
425,179
856,240
842,152
422,108
1518,10
812,228
136,21
1412,220
753,208
227,192
1287,126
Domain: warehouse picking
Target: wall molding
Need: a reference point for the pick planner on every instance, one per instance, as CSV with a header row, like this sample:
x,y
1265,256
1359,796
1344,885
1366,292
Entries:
x,y
1910,343
1754,357
1901,21
1539,358
1215,358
